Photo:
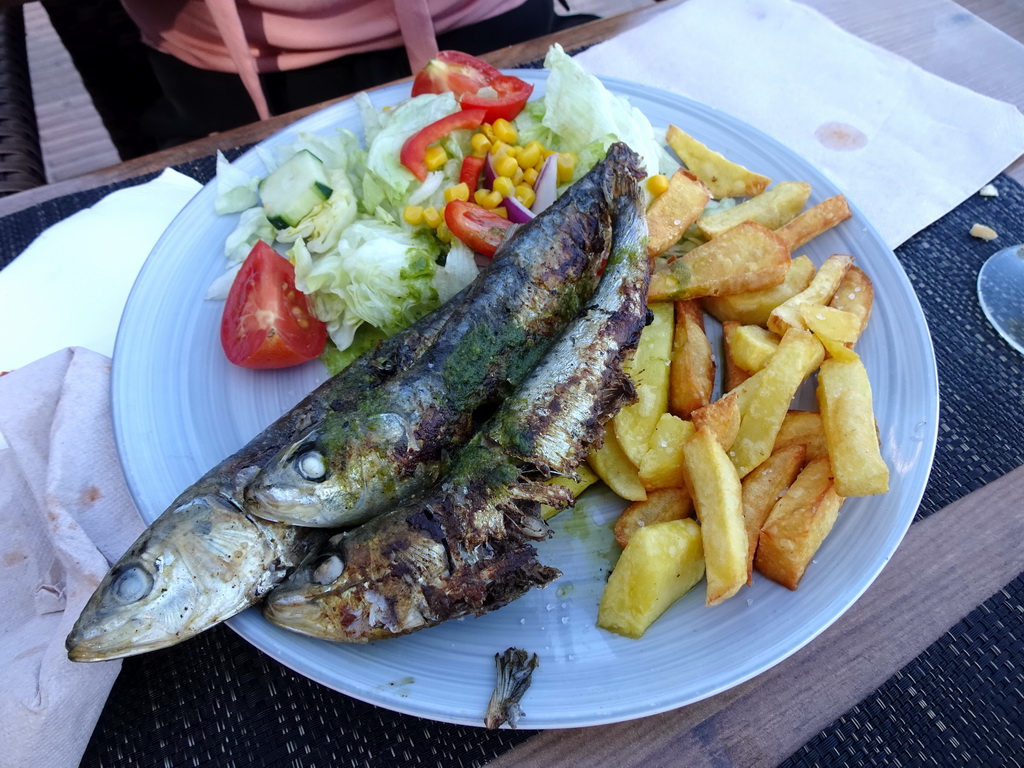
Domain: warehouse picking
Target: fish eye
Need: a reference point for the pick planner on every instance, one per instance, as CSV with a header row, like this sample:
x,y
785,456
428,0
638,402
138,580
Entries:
x,y
328,570
311,466
133,584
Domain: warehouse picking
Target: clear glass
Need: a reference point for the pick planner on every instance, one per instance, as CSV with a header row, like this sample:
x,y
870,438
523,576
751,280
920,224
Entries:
x,y
1001,293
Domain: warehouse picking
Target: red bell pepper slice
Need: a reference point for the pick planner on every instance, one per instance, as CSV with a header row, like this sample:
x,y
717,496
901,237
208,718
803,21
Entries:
x,y
413,154
472,167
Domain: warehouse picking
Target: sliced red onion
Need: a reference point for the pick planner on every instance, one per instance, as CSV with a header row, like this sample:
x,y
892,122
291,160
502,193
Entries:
x,y
517,212
546,185
489,173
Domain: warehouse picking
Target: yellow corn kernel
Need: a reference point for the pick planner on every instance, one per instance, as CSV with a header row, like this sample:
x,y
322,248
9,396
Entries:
x,y
530,176
480,144
413,214
499,148
432,217
435,157
529,155
525,195
502,211
657,184
566,166
488,199
506,166
459,191
488,131
504,186
518,176
505,131
443,233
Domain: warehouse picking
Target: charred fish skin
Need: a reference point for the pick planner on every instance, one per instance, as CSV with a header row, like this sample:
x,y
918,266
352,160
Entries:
x,y
204,560
395,440
465,547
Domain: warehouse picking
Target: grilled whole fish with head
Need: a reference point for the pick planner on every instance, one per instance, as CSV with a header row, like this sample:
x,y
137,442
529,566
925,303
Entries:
x,y
360,460
204,559
464,547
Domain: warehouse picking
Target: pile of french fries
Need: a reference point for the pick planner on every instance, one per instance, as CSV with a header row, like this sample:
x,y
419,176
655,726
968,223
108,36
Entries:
x,y
728,485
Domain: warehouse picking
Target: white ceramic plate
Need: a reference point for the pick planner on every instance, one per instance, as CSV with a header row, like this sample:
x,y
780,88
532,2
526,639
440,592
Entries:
x,y
180,407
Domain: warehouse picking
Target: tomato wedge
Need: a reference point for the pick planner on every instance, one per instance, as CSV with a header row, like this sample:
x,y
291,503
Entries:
x,y
267,322
504,97
453,71
480,229
413,154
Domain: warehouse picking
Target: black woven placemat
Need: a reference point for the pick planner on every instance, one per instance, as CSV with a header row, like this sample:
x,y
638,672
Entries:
x,y
215,700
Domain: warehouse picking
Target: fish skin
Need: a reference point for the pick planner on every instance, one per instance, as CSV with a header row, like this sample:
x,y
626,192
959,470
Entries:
x,y
398,438
204,559
464,546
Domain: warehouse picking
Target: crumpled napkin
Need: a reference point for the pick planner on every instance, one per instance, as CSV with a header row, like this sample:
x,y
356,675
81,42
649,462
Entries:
x,y
905,146
66,514
65,511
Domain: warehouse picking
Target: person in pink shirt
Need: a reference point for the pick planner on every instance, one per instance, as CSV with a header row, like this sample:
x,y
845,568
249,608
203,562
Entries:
x,y
224,63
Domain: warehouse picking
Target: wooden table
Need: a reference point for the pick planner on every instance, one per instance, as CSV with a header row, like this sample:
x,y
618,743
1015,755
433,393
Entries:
x,y
933,581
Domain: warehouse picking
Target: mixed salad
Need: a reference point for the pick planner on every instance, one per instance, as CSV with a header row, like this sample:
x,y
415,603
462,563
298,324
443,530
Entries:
x,y
376,231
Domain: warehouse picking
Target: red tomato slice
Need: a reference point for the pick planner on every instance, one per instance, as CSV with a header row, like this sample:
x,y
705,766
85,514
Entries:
x,y
453,71
414,150
477,227
267,322
512,95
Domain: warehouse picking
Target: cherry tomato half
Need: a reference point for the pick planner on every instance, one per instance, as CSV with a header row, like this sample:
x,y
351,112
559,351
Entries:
x,y
509,97
477,227
453,71
267,322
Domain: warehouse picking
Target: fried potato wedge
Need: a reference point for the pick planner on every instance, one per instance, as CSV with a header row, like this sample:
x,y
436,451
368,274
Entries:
x,y
674,210
649,371
815,220
692,373
733,374
662,465
855,293
802,428
819,292
718,500
721,417
746,258
612,465
723,177
755,307
585,477
753,346
772,208
661,564
762,488
847,416
797,525
660,506
798,356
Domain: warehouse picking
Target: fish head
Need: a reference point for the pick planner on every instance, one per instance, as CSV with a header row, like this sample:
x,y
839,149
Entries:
x,y
199,563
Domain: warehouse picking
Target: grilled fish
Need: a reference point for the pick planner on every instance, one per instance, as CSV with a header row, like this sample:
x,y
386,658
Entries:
x,y
465,546
358,461
205,559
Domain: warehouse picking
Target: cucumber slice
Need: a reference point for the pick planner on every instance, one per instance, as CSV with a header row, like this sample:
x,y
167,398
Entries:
x,y
294,189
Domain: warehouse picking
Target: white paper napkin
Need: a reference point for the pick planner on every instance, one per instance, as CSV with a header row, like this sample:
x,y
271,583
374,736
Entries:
x,y
74,279
905,146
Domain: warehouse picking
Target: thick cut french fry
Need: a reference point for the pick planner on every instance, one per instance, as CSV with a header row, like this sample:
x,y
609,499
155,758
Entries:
x,y
585,478
844,398
836,329
612,465
753,346
692,373
798,356
661,564
819,292
734,375
723,177
797,525
660,506
649,371
674,210
772,208
762,488
662,465
718,499
855,293
815,220
755,307
721,417
746,258
802,428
